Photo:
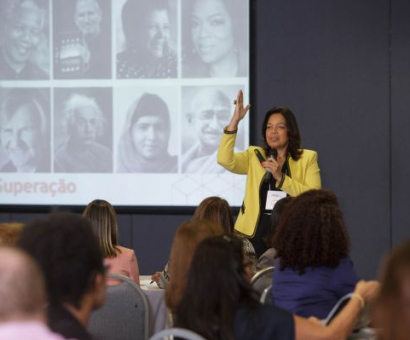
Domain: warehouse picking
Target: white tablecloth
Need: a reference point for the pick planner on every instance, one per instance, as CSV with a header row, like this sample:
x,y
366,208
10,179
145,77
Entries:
x,y
156,304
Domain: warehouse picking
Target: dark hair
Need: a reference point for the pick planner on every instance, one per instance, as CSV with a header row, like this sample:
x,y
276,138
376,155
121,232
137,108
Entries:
x,y
274,218
294,146
311,232
68,253
216,210
104,221
134,14
390,309
237,13
150,105
208,308
186,239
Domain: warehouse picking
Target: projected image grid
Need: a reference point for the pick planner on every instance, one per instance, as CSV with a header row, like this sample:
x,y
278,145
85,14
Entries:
x,y
120,99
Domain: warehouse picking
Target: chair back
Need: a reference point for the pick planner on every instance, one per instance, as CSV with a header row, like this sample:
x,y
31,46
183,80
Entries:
x,y
266,296
124,315
181,333
363,319
262,279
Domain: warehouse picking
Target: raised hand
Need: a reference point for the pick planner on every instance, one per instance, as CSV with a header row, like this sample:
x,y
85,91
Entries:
x,y
239,113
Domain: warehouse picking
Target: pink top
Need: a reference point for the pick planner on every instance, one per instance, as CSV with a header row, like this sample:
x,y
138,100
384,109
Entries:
x,y
27,330
125,263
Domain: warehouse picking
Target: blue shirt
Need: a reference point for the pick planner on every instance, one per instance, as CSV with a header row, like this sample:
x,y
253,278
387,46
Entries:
x,y
316,291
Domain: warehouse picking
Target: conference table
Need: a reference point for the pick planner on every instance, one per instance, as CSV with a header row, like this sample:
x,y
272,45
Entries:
x,y
156,304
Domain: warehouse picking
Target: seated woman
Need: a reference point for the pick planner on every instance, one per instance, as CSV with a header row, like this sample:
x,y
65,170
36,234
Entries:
x,y
217,211
390,312
218,301
313,266
186,239
120,260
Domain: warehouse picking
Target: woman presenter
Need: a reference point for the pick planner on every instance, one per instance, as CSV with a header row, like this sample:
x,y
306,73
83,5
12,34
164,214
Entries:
x,y
280,168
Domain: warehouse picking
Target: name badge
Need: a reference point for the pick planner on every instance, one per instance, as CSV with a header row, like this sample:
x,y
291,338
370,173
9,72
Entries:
x,y
273,197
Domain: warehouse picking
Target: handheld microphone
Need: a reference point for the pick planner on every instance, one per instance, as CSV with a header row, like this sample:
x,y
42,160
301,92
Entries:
x,y
272,153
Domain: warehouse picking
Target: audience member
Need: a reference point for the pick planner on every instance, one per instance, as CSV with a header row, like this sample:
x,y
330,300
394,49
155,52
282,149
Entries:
x,y
22,24
147,30
313,266
217,211
23,297
218,301
118,259
10,233
391,313
84,122
186,239
267,259
69,255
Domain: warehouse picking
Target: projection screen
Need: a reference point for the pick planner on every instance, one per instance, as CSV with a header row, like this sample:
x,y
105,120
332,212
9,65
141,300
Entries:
x,y
123,100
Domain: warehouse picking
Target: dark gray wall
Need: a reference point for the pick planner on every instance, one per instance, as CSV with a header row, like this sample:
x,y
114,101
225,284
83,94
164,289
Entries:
x,y
343,67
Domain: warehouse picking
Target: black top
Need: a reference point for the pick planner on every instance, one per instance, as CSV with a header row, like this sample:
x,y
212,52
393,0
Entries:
x,y
267,185
264,322
61,321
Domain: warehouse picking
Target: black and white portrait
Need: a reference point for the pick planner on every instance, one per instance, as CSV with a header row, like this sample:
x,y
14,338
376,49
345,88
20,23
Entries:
x,y
82,39
145,141
24,130
215,38
24,46
83,133
146,47
207,111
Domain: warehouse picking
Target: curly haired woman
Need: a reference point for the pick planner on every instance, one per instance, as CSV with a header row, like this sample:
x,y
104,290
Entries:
x,y
312,244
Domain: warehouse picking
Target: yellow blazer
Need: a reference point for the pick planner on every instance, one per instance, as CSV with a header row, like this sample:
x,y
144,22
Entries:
x,y
304,176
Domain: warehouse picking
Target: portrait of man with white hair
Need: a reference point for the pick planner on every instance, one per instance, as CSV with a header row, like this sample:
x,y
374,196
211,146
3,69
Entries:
x,y
84,125
207,111
24,130
82,39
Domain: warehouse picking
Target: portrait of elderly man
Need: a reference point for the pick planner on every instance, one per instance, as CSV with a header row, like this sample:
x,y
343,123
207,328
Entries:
x,y
24,131
83,40
209,113
24,45
84,123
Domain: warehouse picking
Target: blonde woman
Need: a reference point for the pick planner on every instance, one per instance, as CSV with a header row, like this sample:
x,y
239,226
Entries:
x,y
120,260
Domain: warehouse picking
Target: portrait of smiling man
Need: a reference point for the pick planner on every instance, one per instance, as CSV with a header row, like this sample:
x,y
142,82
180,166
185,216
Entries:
x,y
22,32
208,111
24,131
